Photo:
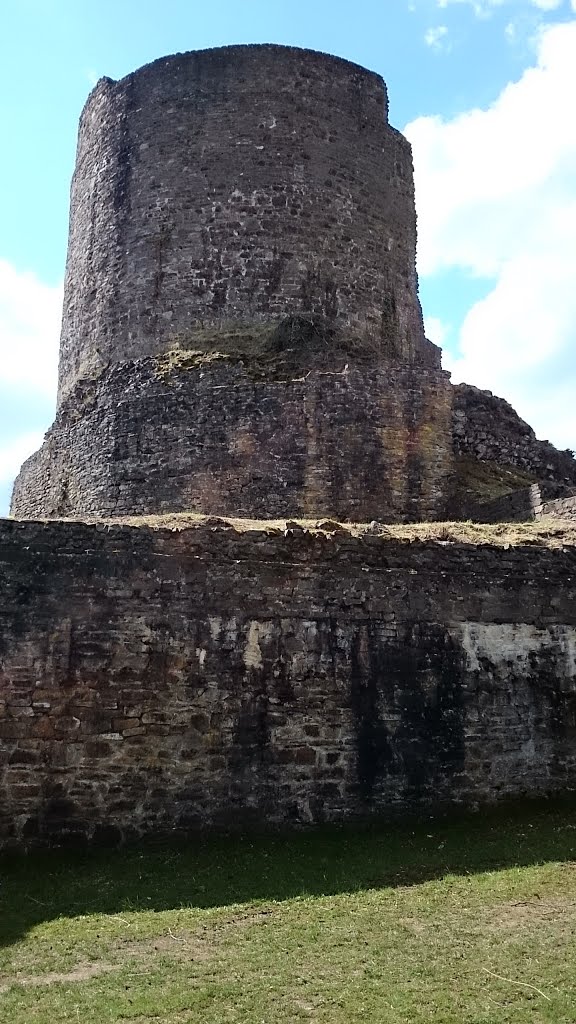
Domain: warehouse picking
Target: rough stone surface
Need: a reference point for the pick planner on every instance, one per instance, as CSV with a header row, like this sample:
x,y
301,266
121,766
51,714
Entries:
x,y
518,506
524,505
248,206
488,429
356,443
153,680
561,508
252,205
235,185
242,334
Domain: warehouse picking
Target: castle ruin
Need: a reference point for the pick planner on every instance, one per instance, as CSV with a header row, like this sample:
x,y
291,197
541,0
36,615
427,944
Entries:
x,y
242,339
242,332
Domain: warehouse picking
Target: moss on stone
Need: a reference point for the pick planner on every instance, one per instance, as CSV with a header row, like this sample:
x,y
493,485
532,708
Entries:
x,y
476,480
270,350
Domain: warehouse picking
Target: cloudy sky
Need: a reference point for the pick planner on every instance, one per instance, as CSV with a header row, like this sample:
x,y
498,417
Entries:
x,y
484,89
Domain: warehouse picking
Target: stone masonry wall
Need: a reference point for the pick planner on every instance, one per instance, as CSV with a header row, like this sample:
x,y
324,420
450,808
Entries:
x,y
488,429
237,185
357,442
163,681
562,508
519,506
523,505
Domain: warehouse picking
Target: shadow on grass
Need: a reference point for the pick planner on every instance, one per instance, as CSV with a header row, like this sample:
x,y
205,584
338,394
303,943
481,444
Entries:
x,y
214,872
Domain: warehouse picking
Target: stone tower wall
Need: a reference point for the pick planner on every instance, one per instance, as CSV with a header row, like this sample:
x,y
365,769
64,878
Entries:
x,y
241,331
359,444
238,185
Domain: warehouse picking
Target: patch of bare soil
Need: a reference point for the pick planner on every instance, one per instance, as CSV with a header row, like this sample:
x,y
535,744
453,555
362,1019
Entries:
x,y
558,914
413,925
178,945
83,972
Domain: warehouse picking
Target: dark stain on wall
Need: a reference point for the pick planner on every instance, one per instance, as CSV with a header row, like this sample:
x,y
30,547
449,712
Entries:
x,y
369,668
430,669
417,685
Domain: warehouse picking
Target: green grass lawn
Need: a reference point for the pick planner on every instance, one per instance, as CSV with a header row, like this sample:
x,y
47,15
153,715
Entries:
x,y
463,921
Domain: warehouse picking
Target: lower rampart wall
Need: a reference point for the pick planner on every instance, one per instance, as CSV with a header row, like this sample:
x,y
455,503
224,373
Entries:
x,y
161,681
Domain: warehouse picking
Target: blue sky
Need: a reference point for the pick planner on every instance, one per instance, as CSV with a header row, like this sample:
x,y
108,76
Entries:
x,y
485,91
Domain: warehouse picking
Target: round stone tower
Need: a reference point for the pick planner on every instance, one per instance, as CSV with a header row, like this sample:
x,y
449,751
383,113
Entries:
x,y
241,328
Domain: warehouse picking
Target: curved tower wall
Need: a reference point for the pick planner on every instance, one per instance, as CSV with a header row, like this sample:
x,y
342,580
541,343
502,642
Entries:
x,y
360,444
233,186
242,332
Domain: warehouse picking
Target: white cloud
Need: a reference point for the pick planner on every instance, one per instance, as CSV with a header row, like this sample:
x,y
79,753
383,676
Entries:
x,y
435,329
30,313
14,452
484,8
92,76
481,8
496,196
526,17
436,38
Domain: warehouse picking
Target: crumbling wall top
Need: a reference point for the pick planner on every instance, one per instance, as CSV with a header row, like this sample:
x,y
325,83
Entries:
x,y
221,60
